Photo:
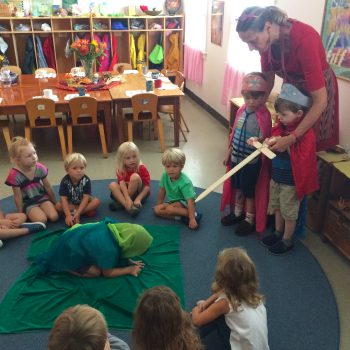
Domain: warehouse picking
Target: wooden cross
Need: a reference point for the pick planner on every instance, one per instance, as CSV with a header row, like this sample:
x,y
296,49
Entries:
x,y
260,148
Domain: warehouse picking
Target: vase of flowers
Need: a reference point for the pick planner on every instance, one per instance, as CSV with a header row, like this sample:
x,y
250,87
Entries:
x,y
87,51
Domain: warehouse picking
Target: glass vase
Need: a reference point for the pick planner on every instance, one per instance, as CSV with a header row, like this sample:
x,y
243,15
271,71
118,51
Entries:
x,y
88,65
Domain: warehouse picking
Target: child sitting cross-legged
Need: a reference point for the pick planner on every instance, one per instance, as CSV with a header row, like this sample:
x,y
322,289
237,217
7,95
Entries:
x,y
75,191
236,310
179,191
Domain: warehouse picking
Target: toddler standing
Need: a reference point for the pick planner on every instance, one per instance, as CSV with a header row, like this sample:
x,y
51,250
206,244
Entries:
x,y
75,191
32,190
179,191
235,297
247,191
294,172
133,185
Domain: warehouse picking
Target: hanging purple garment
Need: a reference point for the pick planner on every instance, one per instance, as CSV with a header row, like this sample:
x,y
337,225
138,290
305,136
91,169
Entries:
x,y
104,60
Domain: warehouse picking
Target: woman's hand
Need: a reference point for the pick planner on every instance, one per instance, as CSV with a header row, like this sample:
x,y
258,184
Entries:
x,y
280,144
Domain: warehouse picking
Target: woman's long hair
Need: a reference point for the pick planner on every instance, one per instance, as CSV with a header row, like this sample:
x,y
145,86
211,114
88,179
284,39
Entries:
x,y
161,324
254,18
235,275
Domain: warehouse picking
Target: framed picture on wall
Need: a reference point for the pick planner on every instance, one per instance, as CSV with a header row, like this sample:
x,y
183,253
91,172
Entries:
x,y
217,21
336,36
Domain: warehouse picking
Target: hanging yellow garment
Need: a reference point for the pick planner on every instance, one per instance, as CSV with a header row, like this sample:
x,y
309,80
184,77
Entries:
x,y
141,42
132,51
172,61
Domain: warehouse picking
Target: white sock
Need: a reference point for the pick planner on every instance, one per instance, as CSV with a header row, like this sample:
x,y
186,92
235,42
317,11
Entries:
x,y
250,218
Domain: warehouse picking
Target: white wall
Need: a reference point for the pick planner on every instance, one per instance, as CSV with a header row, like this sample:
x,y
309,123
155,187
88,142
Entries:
x,y
311,12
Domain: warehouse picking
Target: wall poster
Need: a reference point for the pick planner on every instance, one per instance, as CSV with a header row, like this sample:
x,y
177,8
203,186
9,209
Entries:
x,y
336,36
217,21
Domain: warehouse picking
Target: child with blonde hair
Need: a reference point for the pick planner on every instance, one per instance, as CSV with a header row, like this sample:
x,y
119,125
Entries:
x,y
32,190
235,297
82,327
178,189
75,191
133,180
160,323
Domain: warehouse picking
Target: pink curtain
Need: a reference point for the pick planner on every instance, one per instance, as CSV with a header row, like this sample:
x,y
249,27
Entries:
x,y
231,86
193,65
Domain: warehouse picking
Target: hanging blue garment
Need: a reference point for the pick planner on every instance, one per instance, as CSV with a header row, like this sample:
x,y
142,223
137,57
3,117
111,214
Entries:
x,y
41,57
28,64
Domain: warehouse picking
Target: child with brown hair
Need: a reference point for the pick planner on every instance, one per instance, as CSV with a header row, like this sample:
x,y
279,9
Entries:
x,y
246,192
75,191
235,297
82,327
160,323
32,190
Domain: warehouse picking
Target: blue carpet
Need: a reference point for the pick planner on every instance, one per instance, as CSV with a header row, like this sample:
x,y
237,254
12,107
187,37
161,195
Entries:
x,y
301,309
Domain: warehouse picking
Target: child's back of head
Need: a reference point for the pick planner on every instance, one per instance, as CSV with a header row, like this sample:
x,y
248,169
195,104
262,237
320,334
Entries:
x,y
160,323
79,328
236,276
174,156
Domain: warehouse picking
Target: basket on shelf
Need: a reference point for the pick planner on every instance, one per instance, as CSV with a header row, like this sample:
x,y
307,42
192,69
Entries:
x,y
5,10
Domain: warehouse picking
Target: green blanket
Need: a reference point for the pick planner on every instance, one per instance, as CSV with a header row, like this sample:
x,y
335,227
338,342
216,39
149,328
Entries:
x,y
35,301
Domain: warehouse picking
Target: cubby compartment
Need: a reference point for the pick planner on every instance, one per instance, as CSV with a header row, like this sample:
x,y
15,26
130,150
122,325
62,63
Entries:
x,y
61,23
21,25
155,23
21,43
5,25
137,24
122,39
10,52
41,25
119,24
173,50
173,23
154,38
101,24
63,64
81,24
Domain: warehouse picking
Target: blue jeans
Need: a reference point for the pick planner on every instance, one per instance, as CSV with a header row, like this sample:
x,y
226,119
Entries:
x,y
222,330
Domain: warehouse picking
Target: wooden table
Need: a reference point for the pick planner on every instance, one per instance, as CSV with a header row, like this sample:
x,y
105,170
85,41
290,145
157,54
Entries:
x,y
14,99
138,82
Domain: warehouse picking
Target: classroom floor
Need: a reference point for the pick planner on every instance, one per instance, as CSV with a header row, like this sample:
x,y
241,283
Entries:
x,y
205,151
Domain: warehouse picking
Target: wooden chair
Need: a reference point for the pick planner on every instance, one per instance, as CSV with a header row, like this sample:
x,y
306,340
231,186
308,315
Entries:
x,y
126,66
169,109
83,112
145,109
44,70
5,127
14,69
41,114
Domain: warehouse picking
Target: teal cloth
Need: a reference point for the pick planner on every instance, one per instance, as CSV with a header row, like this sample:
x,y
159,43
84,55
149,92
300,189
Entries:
x,y
102,244
34,301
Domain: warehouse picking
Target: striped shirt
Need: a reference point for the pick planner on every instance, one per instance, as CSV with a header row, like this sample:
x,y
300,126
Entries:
x,y
32,190
282,169
247,126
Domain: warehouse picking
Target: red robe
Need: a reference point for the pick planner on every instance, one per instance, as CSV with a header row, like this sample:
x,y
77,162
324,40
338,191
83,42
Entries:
x,y
303,160
263,117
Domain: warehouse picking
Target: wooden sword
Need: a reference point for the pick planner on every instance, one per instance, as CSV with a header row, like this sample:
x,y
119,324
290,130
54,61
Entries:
x,y
260,148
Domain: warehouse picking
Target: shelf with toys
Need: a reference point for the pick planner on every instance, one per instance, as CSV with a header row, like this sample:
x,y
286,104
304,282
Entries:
x,y
55,35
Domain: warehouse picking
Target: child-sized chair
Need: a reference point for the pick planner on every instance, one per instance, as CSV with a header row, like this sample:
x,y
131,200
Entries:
x,y
145,109
83,112
169,109
41,114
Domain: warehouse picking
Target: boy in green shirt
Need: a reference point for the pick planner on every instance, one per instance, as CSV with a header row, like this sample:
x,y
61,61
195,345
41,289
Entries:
x,y
179,191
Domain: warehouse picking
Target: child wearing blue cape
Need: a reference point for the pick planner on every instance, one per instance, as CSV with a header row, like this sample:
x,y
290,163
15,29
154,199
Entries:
x,y
97,249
